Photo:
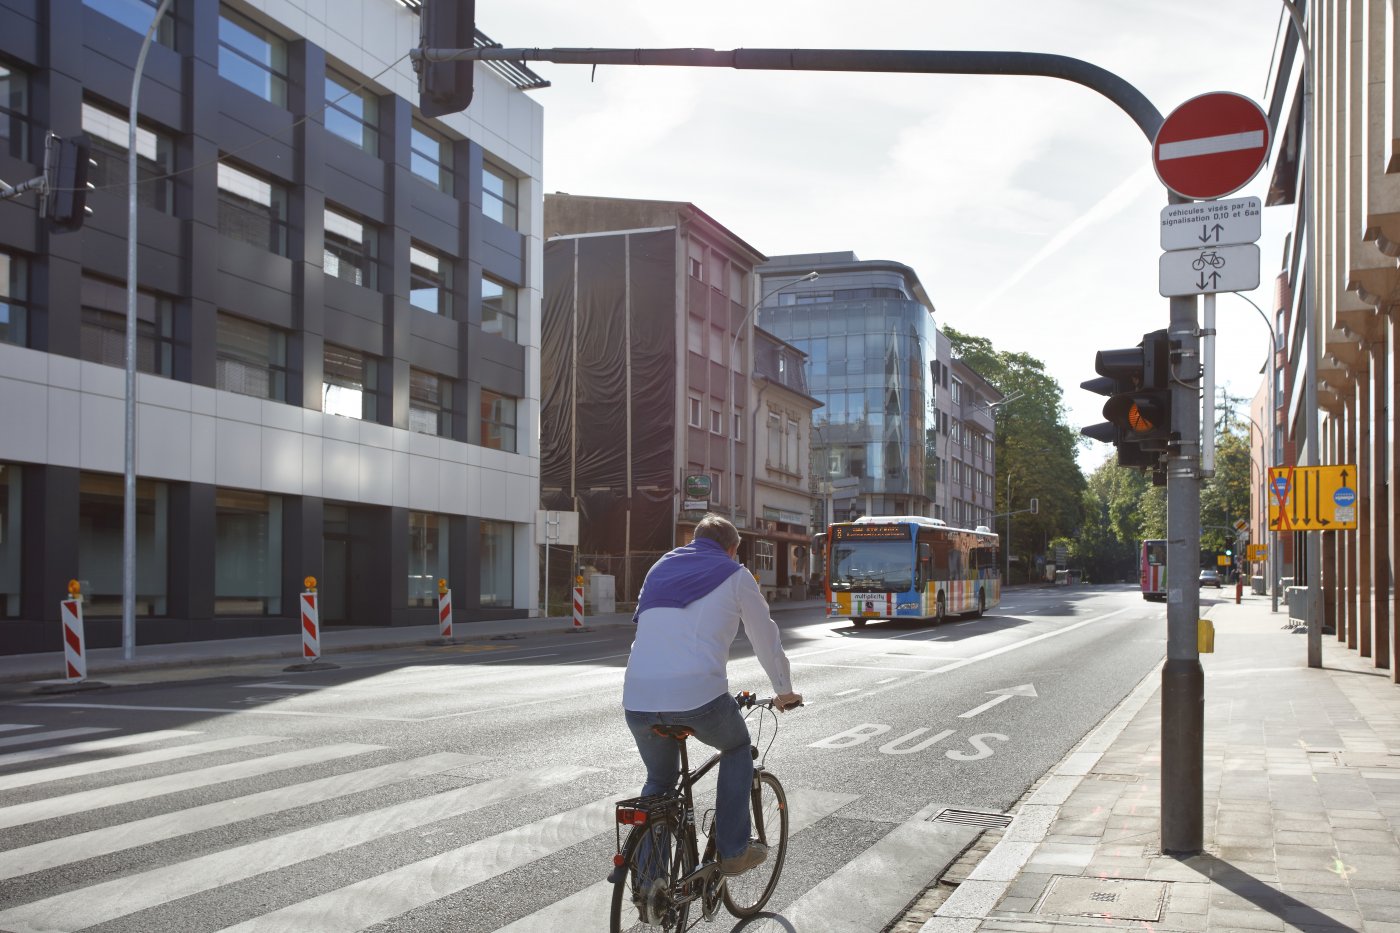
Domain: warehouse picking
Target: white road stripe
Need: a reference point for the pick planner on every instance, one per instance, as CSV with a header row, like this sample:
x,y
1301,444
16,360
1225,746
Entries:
x,y
75,848
29,737
219,709
11,727
82,748
1211,145
273,686
871,667
586,909
382,897
847,692
887,680
100,903
100,797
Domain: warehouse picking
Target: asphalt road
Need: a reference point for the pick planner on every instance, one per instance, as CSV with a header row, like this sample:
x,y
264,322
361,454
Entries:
x,y
469,787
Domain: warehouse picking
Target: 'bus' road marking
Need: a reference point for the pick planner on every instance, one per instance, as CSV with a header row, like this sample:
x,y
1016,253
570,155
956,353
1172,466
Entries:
x,y
1025,690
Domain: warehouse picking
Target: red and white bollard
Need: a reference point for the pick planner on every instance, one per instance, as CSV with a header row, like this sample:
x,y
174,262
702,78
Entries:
x,y
445,609
578,602
74,649
310,623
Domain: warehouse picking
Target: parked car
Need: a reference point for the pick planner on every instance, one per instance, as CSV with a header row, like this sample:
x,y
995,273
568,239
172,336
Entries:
x,y
1210,578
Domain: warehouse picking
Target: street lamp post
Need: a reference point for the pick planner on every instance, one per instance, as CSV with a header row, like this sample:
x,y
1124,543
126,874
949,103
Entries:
x,y
730,368
1271,565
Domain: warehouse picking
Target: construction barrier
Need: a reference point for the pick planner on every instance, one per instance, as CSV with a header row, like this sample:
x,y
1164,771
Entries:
x,y
74,650
578,602
445,609
310,623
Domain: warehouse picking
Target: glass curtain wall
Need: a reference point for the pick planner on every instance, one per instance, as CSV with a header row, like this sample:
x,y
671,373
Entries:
x,y
427,557
100,497
247,553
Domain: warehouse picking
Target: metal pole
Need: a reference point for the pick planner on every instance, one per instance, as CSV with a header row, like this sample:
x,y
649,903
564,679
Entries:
x,y
1270,367
1007,581
129,479
1208,390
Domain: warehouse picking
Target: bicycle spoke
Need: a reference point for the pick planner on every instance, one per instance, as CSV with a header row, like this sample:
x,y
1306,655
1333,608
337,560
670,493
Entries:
x,y
746,894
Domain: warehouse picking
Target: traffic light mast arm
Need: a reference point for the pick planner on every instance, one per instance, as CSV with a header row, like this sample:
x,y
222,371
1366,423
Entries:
x,y
39,183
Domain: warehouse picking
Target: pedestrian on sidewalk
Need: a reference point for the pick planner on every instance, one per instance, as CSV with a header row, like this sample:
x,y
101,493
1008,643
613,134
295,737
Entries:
x,y
688,614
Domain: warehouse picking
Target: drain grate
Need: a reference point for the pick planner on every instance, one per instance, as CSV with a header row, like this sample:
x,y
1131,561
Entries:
x,y
973,818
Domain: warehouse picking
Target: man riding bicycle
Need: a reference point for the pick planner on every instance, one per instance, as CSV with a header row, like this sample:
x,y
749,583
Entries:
x,y
688,614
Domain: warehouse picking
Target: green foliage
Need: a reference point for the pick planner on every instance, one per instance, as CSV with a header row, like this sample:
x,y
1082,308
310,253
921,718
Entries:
x,y
1035,448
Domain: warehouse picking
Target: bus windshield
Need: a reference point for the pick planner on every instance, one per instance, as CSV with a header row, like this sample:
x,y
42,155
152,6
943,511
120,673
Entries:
x,y
881,566
1156,552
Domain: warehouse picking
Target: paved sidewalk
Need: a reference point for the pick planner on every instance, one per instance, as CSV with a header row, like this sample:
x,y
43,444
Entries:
x,y
44,668
1302,805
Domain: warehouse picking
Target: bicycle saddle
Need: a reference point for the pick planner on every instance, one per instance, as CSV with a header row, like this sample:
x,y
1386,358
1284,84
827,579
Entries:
x,y
679,733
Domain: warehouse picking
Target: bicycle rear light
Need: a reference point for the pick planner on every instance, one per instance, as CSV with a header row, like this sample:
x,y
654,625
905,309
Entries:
x,y
631,816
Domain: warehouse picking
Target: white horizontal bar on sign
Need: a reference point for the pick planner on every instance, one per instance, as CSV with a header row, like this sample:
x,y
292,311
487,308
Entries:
x,y
1211,145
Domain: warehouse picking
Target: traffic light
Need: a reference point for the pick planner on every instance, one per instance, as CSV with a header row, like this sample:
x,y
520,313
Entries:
x,y
1137,382
65,198
445,87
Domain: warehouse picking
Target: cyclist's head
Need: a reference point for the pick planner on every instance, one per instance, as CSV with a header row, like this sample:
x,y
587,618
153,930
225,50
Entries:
x,y
718,529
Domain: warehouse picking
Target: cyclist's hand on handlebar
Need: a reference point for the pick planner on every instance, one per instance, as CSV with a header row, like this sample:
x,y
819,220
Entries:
x,y
786,701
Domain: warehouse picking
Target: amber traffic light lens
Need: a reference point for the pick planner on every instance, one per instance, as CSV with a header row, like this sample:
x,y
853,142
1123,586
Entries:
x,y
1138,419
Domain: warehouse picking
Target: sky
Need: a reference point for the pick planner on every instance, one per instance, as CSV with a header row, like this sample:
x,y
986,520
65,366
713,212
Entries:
x,y
1027,206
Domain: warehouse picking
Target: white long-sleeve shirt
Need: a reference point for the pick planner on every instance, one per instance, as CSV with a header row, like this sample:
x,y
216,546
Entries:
x,y
680,656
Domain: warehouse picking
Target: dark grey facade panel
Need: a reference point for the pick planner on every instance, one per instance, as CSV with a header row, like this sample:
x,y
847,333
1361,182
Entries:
x,y
502,252
354,180
255,284
354,316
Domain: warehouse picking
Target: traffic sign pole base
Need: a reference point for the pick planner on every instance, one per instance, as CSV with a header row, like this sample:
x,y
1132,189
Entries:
x,y
312,666
64,686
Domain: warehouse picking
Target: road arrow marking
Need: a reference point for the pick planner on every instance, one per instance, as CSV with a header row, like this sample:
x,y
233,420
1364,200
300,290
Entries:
x,y
1001,696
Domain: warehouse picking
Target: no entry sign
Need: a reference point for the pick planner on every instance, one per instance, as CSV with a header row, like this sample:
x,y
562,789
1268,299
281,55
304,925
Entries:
x,y
1211,145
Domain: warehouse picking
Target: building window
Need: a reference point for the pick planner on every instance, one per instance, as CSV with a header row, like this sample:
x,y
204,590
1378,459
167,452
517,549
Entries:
x,y
251,358
430,281
790,439
498,421
350,249
103,336
717,345
10,510
247,553
14,308
352,112
695,335
697,269
716,420
498,194
430,157
497,564
738,425
764,556
429,403
155,157
14,112
100,506
252,210
775,439
427,557
499,308
955,391
252,57
136,15
349,383
696,418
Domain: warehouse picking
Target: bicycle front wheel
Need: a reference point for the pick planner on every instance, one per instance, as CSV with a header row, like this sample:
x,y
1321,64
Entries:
x,y
745,895
655,858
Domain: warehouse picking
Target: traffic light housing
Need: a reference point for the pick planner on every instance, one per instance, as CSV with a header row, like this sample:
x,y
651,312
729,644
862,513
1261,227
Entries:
x,y
65,197
1137,382
445,87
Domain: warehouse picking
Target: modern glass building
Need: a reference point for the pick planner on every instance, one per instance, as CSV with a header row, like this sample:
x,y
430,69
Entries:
x,y
868,330
337,307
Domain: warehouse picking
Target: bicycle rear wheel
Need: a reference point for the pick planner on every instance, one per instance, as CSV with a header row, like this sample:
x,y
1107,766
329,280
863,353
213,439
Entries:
x,y
655,859
745,894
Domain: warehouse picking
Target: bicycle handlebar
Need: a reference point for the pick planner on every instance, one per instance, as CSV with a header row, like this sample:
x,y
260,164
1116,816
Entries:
x,y
748,700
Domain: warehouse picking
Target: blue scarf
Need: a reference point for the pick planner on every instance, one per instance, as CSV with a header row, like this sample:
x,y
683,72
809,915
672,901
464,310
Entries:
x,y
684,575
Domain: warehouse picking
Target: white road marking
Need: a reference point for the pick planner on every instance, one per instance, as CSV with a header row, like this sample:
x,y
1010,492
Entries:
x,y
985,706
887,680
100,903
585,909
95,799
871,667
11,727
225,709
274,686
846,692
75,848
31,737
96,745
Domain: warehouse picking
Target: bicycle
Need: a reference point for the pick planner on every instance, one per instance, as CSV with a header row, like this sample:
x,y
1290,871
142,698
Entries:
x,y
657,882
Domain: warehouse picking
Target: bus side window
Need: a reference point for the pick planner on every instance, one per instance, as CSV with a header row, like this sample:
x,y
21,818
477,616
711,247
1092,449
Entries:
x,y
922,573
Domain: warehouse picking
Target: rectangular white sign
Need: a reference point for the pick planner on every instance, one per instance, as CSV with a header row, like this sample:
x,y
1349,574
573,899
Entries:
x,y
556,527
1211,223
1185,272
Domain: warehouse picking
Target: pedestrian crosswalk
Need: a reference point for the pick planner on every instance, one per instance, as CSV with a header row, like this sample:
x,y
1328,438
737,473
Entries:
x,y
164,829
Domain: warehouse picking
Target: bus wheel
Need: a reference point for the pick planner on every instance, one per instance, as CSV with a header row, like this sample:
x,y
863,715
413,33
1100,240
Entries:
x,y
940,611
981,605
858,623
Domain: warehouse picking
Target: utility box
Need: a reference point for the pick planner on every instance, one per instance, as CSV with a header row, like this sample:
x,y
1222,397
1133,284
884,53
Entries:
x,y
602,593
1297,604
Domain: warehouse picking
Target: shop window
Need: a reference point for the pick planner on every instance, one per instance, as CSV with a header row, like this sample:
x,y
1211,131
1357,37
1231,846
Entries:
x,y
100,523
427,557
497,564
247,553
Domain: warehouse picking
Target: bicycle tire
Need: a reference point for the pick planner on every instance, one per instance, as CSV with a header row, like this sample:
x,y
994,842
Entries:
x,y
673,863
745,895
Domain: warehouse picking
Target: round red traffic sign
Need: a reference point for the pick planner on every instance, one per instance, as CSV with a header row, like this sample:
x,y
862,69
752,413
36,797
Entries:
x,y
1211,145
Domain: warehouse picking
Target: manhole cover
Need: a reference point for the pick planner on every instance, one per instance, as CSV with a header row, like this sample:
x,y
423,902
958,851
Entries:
x,y
972,818
1120,778
1112,898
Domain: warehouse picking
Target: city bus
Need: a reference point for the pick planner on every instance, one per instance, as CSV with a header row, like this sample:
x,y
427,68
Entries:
x,y
909,567
1153,565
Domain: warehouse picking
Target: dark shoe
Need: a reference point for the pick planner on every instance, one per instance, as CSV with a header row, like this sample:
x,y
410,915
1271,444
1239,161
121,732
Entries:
x,y
615,875
751,857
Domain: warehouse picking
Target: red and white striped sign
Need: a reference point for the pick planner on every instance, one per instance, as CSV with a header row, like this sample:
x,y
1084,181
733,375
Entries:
x,y
1211,145
74,653
445,612
578,607
310,627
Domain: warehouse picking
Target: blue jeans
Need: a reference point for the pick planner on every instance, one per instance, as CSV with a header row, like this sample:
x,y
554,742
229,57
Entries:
x,y
719,725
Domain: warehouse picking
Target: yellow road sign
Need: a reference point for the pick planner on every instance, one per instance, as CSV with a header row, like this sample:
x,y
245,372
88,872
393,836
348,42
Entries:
x,y
1258,552
1321,498
1222,561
